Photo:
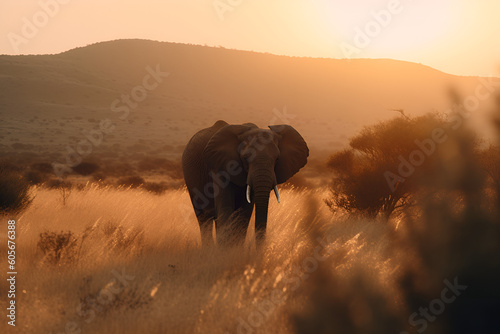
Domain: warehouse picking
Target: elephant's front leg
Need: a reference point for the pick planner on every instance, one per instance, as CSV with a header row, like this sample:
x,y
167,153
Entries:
x,y
228,227
243,211
206,228
206,222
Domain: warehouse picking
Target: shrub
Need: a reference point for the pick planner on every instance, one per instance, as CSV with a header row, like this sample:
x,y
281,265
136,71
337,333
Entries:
x,y
58,247
156,187
63,186
35,177
85,168
172,168
124,241
42,167
10,167
367,175
15,192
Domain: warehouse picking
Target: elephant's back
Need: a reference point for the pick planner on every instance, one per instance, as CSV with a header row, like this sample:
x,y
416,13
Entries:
x,y
197,143
194,167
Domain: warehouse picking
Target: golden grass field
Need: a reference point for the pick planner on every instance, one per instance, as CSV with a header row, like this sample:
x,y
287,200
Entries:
x,y
173,286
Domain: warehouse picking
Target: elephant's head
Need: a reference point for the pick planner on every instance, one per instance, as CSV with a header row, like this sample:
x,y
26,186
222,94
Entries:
x,y
259,159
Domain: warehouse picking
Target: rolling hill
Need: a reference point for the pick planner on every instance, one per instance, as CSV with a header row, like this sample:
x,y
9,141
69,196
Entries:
x,y
51,102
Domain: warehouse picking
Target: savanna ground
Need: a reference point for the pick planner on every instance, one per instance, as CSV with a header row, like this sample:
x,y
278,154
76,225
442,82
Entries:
x,y
343,258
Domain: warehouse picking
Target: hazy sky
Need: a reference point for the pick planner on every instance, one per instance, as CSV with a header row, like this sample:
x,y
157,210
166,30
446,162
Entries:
x,y
455,36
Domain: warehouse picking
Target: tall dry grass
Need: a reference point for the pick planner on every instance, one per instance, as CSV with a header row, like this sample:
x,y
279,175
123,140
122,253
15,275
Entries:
x,y
177,288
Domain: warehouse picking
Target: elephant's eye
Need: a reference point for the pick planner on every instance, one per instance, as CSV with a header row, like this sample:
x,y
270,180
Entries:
x,y
246,159
245,163
246,154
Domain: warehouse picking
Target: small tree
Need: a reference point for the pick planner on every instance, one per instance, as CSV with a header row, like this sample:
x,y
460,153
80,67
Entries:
x,y
366,178
359,186
63,186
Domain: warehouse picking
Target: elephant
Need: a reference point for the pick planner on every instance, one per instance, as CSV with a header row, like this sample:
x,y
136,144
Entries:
x,y
230,168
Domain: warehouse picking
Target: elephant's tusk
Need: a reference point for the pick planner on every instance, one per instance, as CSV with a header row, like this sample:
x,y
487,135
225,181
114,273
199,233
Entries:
x,y
277,193
248,194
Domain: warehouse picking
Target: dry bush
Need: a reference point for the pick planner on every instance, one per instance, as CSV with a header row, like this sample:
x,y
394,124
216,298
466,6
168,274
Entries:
x,y
366,176
15,192
64,188
113,237
58,248
6,166
68,248
123,241
86,168
35,177
42,167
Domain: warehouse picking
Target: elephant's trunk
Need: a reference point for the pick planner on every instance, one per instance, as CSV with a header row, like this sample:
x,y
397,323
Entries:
x,y
262,182
261,209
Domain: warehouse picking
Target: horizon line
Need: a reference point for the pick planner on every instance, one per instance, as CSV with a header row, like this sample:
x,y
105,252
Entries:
x,y
250,51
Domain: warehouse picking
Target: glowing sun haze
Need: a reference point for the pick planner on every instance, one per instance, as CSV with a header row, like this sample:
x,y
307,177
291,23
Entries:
x,y
455,36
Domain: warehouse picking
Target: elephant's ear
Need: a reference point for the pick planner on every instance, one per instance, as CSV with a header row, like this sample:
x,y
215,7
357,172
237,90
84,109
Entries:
x,y
221,153
293,152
